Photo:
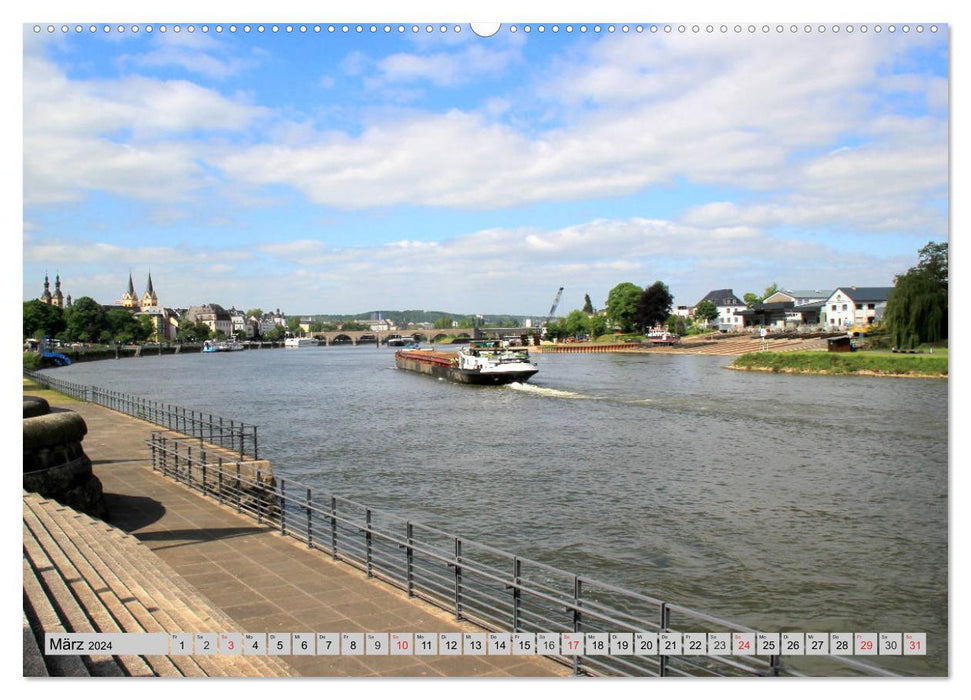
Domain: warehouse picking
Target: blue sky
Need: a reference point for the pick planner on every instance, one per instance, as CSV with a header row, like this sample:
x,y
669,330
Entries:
x,y
342,172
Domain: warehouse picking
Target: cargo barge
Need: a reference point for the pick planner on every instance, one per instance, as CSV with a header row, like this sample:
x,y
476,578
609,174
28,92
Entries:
x,y
483,362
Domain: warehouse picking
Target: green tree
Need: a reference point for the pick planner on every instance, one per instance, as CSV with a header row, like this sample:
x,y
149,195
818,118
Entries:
x,y
596,325
706,311
443,322
556,328
147,331
576,323
352,326
122,326
653,306
622,305
42,319
917,306
86,321
257,312
193,332
676,324
293,325
587,304
751,298
278,332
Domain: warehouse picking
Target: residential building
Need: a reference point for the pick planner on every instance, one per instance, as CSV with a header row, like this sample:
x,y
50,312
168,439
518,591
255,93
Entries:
x,y
847,307
799,297
213,315
728,306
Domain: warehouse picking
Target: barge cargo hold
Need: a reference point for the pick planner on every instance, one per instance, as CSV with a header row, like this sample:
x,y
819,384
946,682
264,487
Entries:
x,y
481,363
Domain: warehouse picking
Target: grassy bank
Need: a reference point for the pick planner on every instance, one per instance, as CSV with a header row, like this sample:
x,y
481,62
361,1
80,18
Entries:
x,y
52,397
868,363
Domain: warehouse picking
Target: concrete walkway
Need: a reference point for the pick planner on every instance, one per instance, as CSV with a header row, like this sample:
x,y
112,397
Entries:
x,y
265,582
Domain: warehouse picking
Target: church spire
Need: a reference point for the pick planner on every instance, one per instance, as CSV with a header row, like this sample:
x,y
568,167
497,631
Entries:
x,y
131,285
46,296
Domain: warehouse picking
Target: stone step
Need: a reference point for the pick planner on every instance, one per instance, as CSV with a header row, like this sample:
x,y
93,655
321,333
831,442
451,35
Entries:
x,y
42,617
165,594
95,614
69,611
33,658
175,605
130,610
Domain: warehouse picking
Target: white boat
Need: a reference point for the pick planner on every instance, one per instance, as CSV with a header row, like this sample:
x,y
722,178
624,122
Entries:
x,y
298,342
222,346
483,362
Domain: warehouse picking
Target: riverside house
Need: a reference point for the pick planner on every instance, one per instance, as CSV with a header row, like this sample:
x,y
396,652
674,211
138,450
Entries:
x,y
847,307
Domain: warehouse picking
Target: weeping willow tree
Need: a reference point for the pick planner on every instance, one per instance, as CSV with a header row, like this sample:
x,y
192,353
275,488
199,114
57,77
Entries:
x,y
917,307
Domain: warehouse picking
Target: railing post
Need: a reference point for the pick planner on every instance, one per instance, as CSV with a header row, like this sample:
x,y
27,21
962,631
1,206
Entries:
x,y
310,516
665,623
367,541
219,496
577,618
409,560
259,498
222,438
256,450
458,579
775,663
283,507
188,465
205,484
239,489
333,526
517,570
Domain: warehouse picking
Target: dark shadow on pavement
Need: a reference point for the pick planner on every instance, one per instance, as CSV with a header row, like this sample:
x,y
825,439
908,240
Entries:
x,y
184,537
132,512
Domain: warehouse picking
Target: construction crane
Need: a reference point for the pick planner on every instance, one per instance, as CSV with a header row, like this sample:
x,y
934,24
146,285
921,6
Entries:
x,y
556,302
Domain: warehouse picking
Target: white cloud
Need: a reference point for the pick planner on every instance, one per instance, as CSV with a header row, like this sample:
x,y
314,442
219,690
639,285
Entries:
x,y
132,137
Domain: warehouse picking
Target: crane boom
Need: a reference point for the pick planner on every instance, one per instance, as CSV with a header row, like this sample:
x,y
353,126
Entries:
x,y
556,302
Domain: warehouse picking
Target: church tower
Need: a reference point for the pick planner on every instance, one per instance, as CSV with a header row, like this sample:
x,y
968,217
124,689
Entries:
x,y
149,298
46,296
129,299
58,299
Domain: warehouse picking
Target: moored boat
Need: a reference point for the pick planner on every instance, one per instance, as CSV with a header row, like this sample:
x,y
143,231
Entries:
x,y
483,362
298,342
222,346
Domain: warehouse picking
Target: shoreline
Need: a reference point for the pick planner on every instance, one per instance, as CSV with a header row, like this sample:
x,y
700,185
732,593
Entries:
x,y
826,373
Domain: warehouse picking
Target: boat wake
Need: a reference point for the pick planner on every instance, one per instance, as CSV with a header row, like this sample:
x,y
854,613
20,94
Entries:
x,y
546,391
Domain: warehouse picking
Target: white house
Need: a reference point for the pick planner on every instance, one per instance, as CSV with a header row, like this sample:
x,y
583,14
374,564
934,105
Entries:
x,y
847,307
799,297
728,306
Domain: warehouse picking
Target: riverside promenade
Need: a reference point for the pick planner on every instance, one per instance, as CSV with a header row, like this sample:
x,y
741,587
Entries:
x,y
262,580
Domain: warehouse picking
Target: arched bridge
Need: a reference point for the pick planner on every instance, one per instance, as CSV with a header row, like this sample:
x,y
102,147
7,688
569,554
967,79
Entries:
x,y
421,336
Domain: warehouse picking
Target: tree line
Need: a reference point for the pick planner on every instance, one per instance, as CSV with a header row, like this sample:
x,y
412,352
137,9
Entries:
x,y
86,321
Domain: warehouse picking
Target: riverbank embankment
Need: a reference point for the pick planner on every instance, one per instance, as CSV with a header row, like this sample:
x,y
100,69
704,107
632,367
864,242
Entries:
x,y
262,581
711,344
865,363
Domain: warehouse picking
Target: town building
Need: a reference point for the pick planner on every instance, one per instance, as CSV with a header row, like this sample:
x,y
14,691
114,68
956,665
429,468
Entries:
x,y
213,315
854,307
728,306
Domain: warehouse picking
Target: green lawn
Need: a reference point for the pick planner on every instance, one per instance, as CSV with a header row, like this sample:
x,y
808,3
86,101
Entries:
x,y
863,362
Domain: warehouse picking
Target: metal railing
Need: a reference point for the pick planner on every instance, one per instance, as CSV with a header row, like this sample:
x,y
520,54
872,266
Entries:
x,y
240,438
489,587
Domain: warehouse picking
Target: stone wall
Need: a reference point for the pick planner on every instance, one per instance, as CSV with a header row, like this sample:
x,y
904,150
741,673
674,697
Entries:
x,y
55,465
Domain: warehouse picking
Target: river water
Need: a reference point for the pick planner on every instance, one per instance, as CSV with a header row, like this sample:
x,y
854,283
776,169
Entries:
x,y
779,501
